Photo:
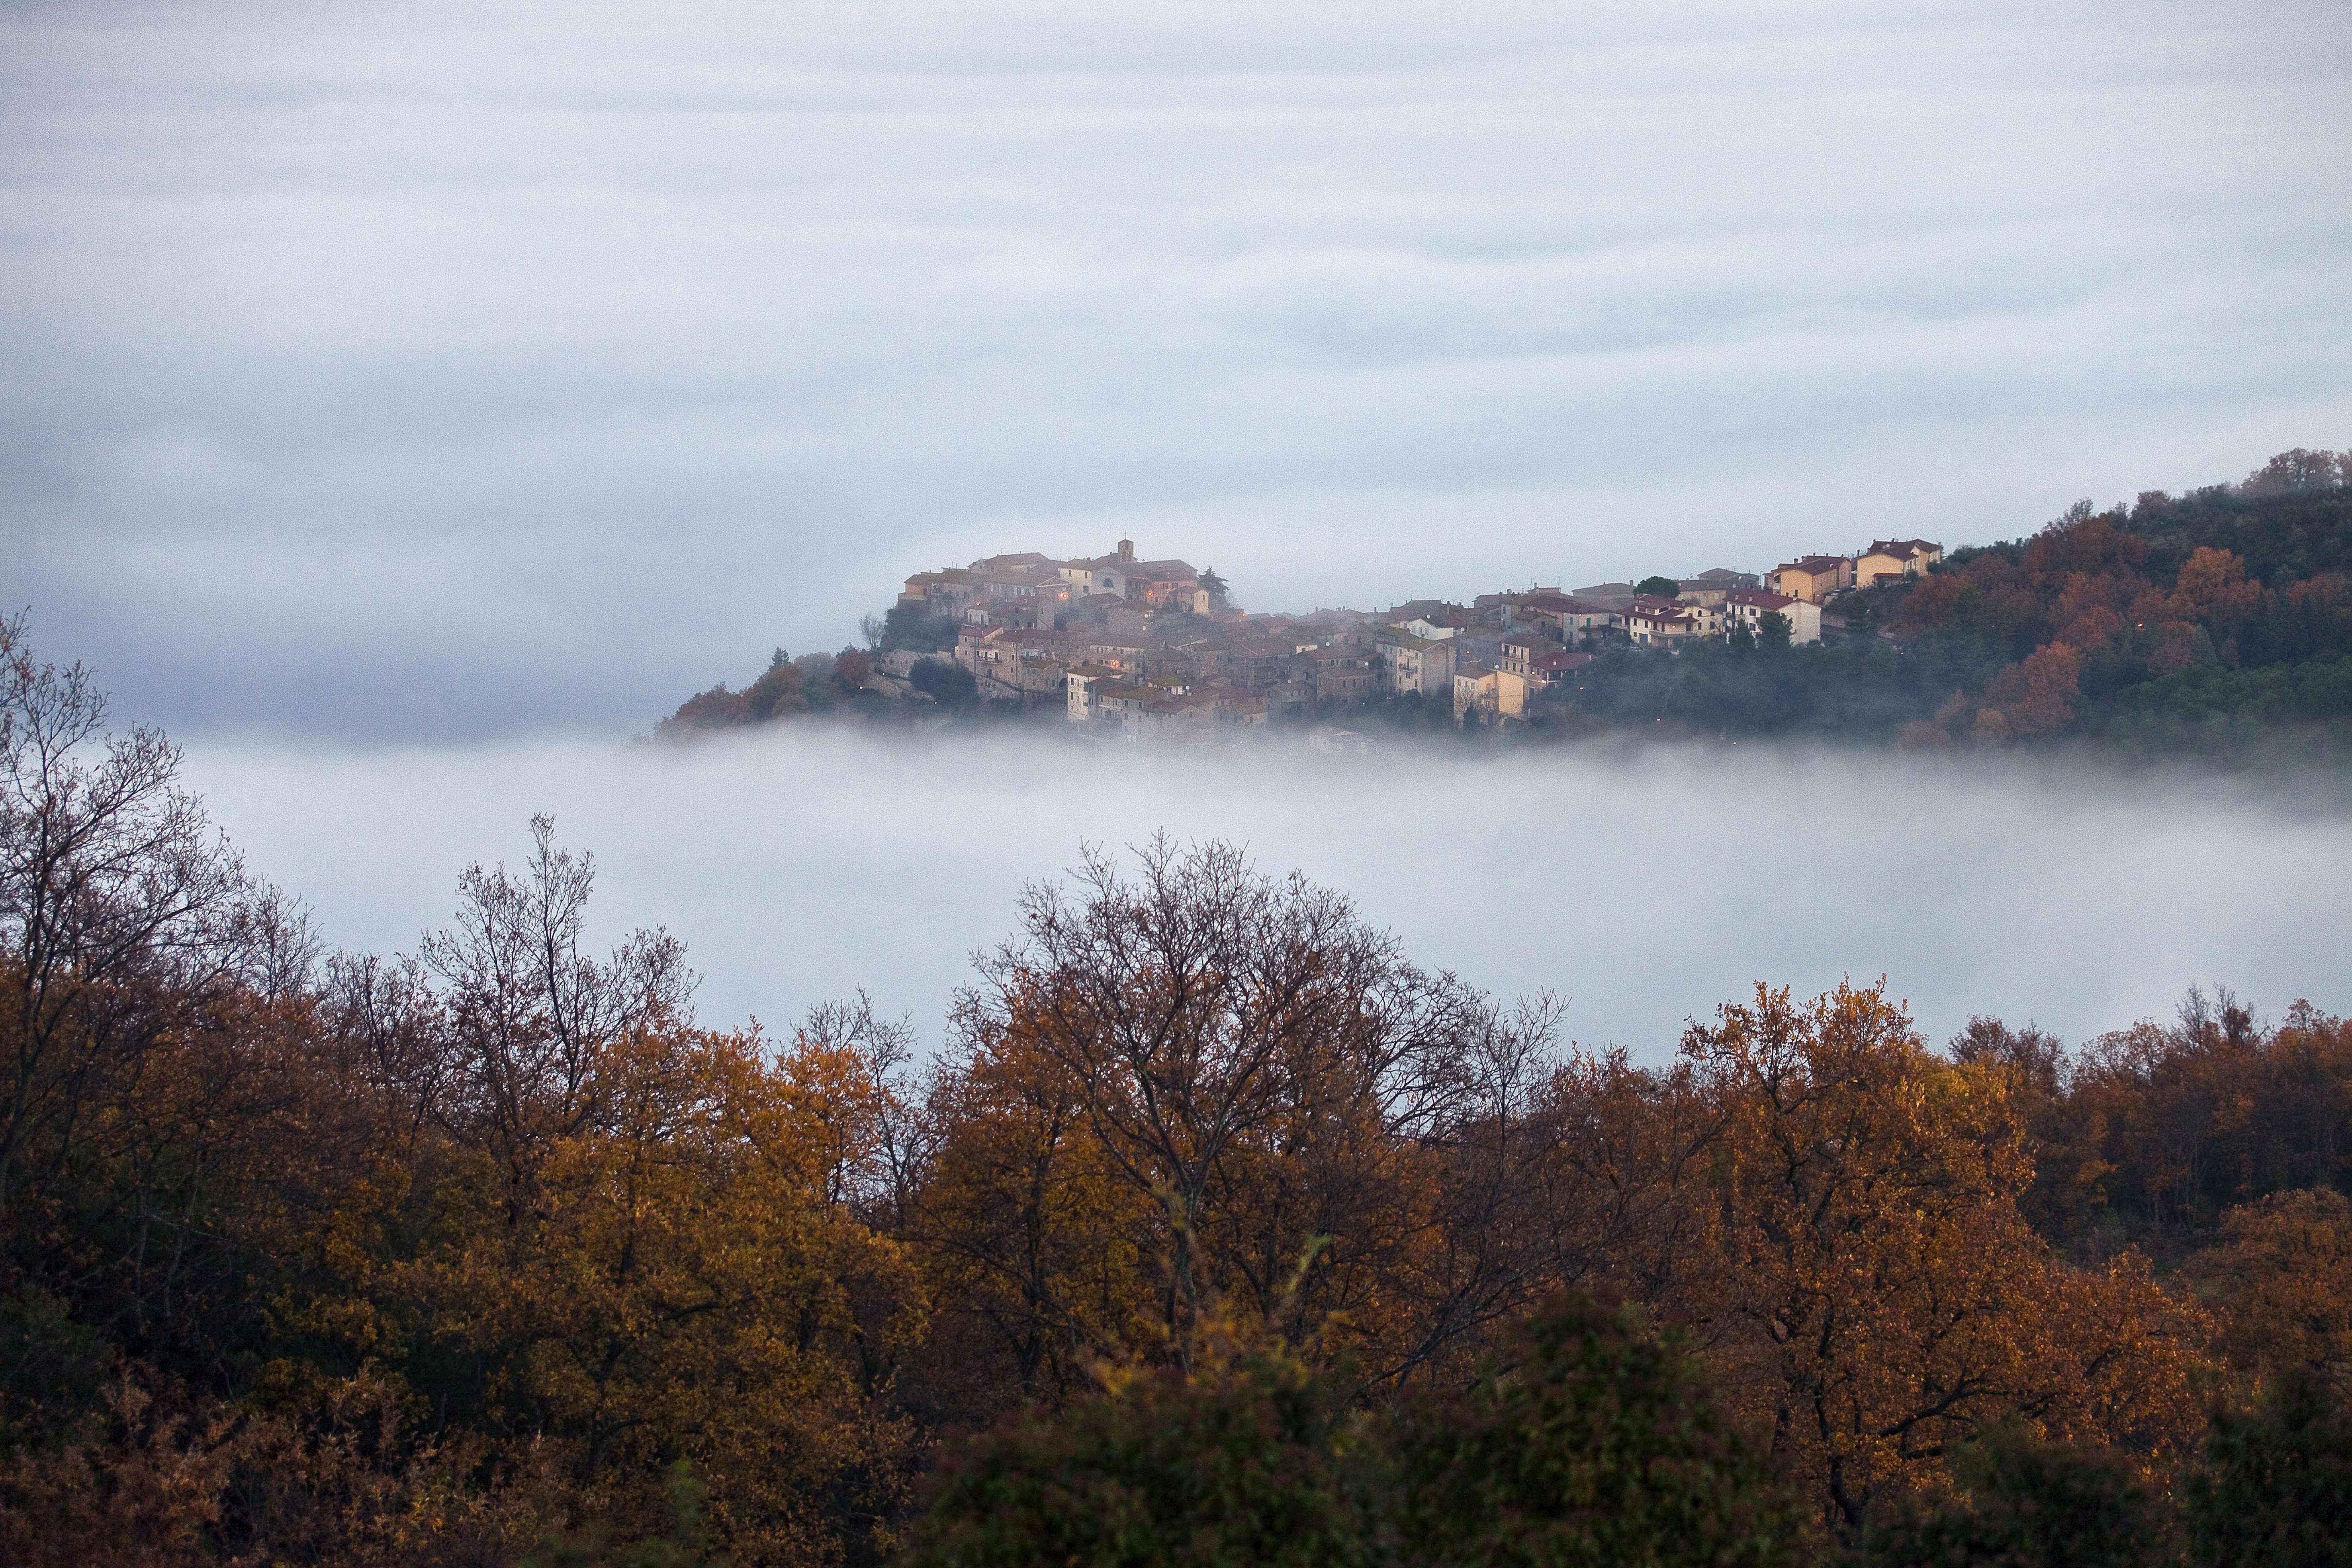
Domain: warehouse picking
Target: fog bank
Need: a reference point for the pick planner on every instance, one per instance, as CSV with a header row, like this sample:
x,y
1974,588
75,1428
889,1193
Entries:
x,y
1647,887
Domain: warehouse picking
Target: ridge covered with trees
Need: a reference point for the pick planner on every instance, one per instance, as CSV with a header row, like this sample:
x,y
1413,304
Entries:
x,y
2210,622
1218,1231
2197,621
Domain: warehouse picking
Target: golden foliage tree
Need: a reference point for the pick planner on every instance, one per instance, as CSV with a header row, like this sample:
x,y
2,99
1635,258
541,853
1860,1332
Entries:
x,y
1878,1297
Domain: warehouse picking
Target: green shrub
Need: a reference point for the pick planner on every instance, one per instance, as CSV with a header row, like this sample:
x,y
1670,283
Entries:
x,y
2024,1504
2276,1491
1602,1446
1235,1464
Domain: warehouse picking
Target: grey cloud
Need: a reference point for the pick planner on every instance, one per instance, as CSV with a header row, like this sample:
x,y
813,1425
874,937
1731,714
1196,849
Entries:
x,y
431,372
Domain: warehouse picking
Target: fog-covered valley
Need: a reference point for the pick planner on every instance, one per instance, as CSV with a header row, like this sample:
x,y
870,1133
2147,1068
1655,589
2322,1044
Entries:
x,y
1646,886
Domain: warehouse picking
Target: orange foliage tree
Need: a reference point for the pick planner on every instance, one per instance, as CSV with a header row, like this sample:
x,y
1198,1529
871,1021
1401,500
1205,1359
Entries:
x,y
1834,1209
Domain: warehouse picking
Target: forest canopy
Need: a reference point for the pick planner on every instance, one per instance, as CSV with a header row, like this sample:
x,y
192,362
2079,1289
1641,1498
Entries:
x,y
493,1252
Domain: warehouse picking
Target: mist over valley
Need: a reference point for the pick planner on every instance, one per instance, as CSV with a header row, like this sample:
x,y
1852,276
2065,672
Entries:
x,y
1645,885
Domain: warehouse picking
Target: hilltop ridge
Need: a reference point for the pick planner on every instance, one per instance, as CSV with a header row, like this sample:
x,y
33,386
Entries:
x,y
2197,620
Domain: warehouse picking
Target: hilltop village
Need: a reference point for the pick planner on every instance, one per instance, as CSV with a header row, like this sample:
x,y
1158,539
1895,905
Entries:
x,y
1154,649
2218,622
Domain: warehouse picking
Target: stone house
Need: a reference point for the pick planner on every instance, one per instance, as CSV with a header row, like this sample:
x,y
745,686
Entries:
x,y
1408,663
1522,648
1497,694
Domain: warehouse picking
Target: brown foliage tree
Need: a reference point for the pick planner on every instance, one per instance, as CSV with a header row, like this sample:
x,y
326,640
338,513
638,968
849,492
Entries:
x,y
1252,1074
2036,696
2165,1128
1837,1214
2281,1278
2300,468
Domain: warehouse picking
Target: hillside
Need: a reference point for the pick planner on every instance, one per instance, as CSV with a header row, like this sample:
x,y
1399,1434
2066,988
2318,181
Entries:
x,y
2196,622
2208,622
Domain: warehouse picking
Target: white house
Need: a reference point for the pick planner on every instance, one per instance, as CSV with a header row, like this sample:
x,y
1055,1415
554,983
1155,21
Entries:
x,y
1749,607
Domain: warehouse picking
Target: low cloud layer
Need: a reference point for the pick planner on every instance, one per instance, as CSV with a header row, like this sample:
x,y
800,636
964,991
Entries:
x,y
800,864
441,371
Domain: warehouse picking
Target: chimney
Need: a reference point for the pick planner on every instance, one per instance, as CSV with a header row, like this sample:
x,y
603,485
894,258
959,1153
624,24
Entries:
x,y
1126,550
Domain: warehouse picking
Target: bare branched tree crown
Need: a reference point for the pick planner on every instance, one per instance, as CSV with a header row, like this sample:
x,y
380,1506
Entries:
x,y
115,892
1214,1018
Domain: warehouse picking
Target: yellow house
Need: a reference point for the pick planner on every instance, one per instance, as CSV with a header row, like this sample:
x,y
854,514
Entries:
x,y
1812,578
1890,558
1497,693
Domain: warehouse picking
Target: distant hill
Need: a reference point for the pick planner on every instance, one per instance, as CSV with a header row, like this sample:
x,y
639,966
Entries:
x,y
2203,622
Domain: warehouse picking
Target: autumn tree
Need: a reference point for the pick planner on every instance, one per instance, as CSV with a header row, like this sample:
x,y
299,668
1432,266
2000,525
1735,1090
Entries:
x,y
2170,1125
1615,1185
1254,1067
2066,1196
533,1022
2297,469
782,689
2212,584
152,1025
1854,1170
1036,1246
686,1287
2033,697
623,1239
2280,1277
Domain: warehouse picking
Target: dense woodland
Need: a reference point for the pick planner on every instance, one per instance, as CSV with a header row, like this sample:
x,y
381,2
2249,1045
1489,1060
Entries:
x,y
2203,622
1218,1232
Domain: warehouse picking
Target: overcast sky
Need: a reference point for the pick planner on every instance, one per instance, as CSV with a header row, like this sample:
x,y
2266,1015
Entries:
x,y
411,371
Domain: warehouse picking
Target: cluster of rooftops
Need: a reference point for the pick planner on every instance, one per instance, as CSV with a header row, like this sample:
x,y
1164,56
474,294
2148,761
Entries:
x,y
1150,646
